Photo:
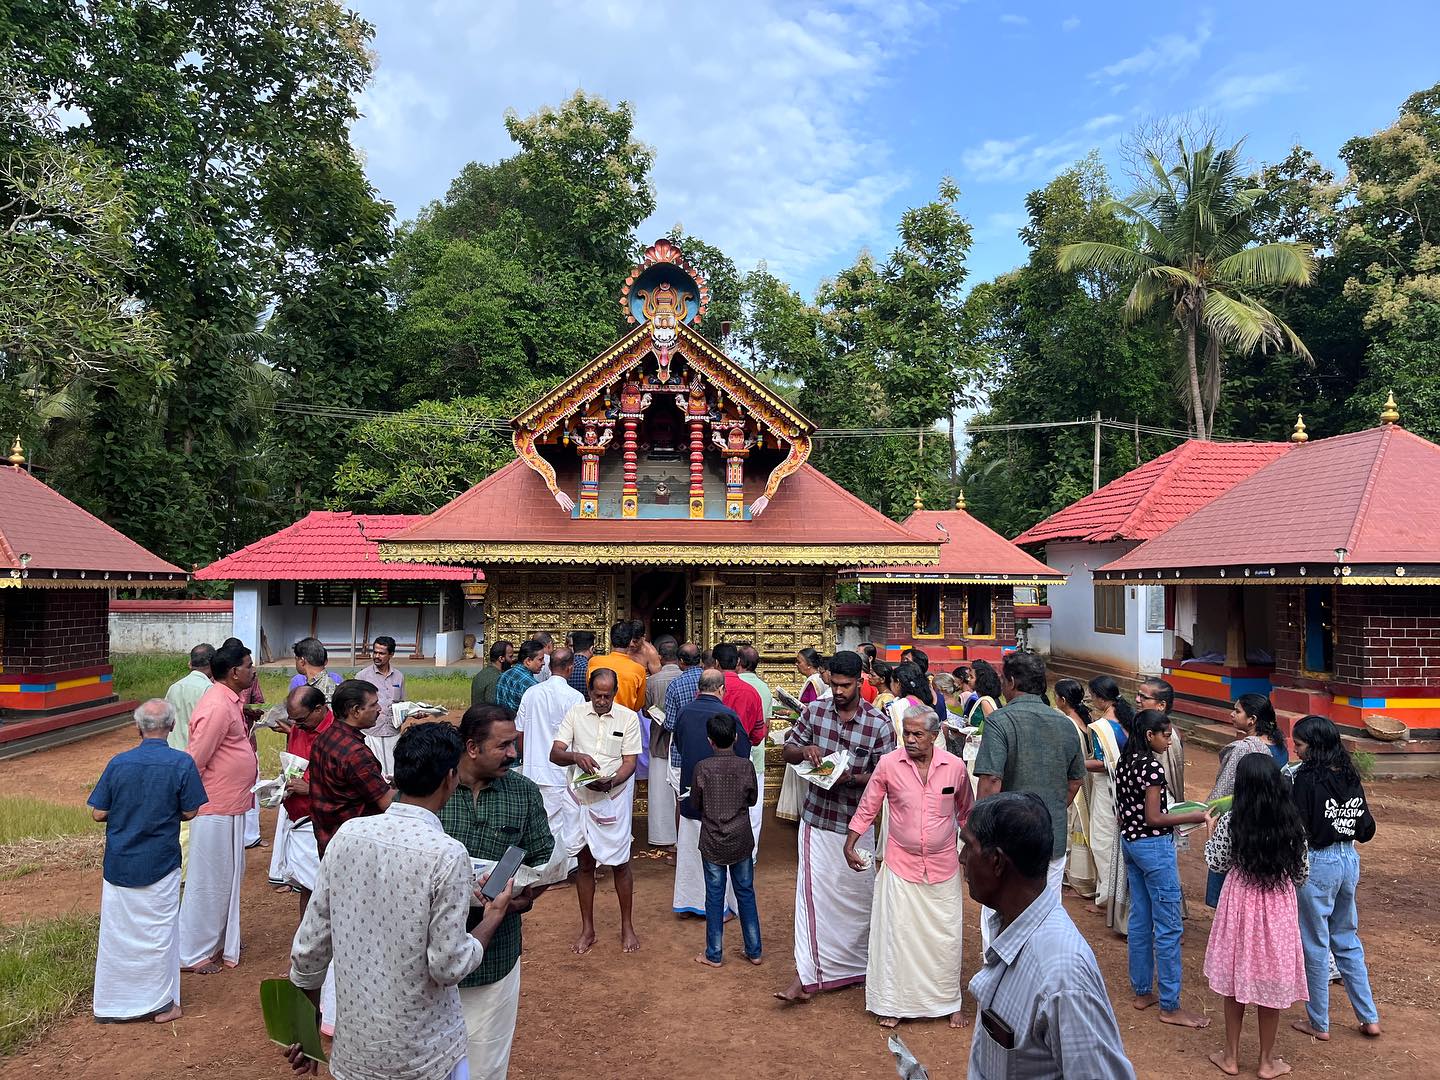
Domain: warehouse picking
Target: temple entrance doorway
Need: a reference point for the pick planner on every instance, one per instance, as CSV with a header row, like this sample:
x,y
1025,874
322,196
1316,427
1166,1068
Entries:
x,y
657,597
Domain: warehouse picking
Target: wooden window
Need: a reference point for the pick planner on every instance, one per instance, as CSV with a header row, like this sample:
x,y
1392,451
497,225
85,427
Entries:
x,y
372,593
980,611
927,620
1109,609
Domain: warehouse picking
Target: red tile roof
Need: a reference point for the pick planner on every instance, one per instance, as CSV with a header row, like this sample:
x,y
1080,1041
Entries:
x,y
328,546
513,506
973,550
38,521
1153,497
1375,493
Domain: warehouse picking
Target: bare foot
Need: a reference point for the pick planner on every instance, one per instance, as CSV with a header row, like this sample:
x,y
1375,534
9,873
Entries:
x,y
794,994
1094,910
1182,1018
889,1021
958,1019
628,939
757,961
584,943
729,917
1370,1031
1144,1001
172,1013
703,959
1303,1026
1224,1064
1277,1066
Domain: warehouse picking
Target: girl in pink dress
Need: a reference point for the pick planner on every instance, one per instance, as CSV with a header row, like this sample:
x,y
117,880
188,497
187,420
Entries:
x,y
1254,956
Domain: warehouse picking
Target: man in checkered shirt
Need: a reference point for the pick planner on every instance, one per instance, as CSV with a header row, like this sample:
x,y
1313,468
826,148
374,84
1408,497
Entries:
x,y
832,901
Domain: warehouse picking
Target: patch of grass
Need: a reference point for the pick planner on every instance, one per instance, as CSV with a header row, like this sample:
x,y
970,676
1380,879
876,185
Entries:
x,y
1364,763
47,969
19,870
141,676
32,819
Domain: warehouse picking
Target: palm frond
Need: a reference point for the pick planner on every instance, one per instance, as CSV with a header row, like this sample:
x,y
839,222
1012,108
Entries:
x,y
1281,263
1281,335
1234,322
1096,255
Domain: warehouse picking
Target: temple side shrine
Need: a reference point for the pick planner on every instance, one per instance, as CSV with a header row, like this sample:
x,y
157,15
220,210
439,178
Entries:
x,y
663,482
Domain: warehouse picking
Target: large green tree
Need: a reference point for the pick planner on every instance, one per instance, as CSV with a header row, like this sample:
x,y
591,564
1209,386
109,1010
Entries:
x,y
228,125
1192,252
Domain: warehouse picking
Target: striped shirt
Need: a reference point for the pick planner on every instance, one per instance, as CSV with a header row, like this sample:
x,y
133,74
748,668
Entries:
x,y
683,689
1040,977
868,736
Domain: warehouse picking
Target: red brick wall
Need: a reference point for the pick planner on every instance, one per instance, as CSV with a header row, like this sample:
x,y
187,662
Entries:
x,y
1387,635
892,608
54,630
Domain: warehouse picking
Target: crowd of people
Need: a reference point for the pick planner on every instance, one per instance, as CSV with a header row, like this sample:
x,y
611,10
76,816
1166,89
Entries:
x,y
910,789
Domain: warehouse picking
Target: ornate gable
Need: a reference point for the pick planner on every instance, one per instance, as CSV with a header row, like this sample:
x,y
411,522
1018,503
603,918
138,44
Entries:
x,y
662,409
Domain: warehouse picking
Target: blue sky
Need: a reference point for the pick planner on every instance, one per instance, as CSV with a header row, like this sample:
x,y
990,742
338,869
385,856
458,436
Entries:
x,y
796,133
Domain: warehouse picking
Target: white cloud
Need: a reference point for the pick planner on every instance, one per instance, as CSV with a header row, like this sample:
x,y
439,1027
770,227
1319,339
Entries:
x,y
1070,24
1020,158
1011,19
1243,91
1098,123
1002,223
1168,54
762,144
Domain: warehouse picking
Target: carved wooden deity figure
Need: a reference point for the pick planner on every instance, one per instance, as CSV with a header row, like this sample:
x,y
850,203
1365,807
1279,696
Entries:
x,y
734,446
590,446
664,307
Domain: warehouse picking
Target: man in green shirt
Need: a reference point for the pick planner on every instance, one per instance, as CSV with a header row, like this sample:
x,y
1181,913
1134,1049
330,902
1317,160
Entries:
x,y
494,807
1028,746
482,687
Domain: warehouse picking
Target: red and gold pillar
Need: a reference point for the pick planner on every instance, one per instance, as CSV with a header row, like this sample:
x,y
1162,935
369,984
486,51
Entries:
x,y
697,467
630,493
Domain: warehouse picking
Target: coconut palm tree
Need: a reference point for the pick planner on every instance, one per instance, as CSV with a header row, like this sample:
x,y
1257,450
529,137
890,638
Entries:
x,y
1193,247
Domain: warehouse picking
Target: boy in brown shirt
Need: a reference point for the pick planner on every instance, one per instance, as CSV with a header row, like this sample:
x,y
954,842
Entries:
x,y
722,790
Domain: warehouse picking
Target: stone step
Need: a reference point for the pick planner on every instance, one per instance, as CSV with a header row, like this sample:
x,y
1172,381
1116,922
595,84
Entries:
x,y
18,738
1067,667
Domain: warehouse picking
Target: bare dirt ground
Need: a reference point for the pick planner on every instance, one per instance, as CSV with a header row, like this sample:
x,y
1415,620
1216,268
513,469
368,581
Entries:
x,y
657,1014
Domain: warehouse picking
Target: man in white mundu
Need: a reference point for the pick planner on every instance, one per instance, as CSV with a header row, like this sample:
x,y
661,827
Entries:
x,y
601,737
220,745
142,796
832,902
542,710
914,967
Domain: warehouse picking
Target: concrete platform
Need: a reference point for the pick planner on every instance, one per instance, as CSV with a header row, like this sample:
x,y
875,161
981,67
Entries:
x,y
26,736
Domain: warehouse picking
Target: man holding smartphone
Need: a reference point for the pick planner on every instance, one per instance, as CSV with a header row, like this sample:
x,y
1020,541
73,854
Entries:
x,y
494,809
398,1006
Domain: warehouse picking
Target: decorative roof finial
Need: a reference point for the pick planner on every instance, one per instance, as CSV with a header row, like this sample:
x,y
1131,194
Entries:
x,y
919,502
960,500
17,453
1390,414
1299,435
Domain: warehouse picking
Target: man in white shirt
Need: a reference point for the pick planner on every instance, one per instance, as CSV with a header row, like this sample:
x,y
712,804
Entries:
x,y
398,1014
602,737
389,686
542,710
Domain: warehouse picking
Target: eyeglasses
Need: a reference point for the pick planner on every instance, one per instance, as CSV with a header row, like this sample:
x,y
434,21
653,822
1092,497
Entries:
x,y
1146,697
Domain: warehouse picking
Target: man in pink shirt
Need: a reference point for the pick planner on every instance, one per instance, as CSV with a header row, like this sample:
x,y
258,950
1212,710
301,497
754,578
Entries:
x,y
914,961
220,745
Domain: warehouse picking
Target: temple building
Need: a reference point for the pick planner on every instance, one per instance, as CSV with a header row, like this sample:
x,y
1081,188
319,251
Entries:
x,y
58,565
1098,630
960,608
662,482
1316,580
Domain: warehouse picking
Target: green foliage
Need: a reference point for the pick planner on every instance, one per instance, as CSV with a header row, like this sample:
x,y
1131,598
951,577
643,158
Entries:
x,y
47,968
419,459
514,275
1191,254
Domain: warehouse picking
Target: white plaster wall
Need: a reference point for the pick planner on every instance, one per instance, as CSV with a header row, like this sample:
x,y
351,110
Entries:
x,y
247,604
1072,624
151,632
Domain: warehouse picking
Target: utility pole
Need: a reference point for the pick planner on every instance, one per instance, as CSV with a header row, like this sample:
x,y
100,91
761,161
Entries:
x,y
1137,438
1095,467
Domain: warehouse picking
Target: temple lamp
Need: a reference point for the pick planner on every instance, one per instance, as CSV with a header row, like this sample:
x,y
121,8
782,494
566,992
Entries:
x,y
474,590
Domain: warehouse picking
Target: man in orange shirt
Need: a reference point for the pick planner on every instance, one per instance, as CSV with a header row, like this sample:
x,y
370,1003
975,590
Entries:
x,y
220,745
630,675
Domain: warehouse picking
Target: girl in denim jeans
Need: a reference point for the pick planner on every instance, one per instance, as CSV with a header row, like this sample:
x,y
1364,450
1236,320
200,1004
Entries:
x,y
1331,800
1147,838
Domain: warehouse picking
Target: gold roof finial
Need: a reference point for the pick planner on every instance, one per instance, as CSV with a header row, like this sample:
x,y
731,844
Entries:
x,y
919,502
1390,414
960,500
1299,435
17,453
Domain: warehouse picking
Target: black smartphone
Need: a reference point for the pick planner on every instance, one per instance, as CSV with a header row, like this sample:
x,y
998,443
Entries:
x,y
503,872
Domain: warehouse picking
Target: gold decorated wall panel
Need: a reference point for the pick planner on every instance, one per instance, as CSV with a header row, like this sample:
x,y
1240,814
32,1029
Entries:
x,y
520,602
780,613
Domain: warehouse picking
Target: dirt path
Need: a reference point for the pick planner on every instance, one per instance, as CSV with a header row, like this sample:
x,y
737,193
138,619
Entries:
x,y
657,1014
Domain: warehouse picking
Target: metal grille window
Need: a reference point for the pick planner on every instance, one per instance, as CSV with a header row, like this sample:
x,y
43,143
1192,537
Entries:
x,y
372,593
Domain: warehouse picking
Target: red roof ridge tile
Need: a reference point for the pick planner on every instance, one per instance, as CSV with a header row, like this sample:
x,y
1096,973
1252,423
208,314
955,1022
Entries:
x,y
1183,453
1357,523
465,498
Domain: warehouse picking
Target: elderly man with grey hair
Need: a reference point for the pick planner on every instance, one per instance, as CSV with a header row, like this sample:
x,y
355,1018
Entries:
x,y
913,968
142,796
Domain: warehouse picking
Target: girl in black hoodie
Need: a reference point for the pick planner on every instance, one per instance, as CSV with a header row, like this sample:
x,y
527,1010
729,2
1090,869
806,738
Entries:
x,y
1331,801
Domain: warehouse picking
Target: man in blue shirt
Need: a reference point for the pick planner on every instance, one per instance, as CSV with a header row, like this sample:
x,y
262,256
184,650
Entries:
x,y
692,745
142,796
